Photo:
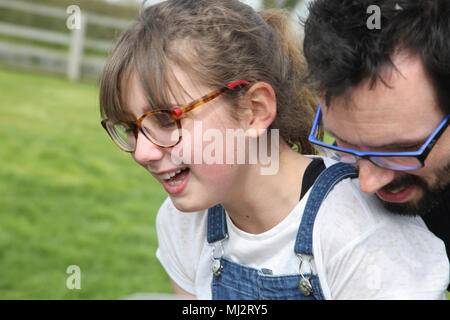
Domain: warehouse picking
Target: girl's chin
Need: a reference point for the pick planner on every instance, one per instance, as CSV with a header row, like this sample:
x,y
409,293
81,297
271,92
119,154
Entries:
x,y
191,202
186,206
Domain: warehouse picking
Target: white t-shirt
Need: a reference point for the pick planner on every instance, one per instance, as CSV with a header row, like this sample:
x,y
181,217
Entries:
x,y
361,251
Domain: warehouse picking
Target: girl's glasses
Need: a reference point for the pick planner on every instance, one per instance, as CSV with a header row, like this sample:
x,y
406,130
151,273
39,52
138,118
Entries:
x,y
389,160
161,127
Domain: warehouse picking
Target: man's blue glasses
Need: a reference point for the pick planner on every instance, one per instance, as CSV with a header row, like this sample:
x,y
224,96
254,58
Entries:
x,y
389,160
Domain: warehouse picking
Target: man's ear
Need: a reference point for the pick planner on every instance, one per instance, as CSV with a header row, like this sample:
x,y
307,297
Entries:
x,y
261,106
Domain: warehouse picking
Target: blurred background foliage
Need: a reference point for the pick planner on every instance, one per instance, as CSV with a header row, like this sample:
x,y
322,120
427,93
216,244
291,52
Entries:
x,y
286,4
69,196
126,12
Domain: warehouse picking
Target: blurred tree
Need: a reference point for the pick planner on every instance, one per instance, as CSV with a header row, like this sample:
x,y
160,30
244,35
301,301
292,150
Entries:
x,y
126,10
30,19
286,4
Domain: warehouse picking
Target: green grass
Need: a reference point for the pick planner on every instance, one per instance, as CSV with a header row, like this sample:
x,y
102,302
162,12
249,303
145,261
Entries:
x,y
68,196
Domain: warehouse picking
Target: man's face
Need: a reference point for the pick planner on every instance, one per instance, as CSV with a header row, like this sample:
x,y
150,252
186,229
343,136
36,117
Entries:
x,y
398,117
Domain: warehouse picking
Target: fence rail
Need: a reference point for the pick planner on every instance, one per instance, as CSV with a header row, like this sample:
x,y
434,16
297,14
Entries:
x,y
34,33
55,12
74,61
50,36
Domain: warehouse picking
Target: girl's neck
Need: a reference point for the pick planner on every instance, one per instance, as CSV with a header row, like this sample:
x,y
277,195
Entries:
x,y
261,202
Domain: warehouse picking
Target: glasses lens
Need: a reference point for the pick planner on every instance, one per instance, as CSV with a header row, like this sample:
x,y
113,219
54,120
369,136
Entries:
x,y
397,163
161,128
123,135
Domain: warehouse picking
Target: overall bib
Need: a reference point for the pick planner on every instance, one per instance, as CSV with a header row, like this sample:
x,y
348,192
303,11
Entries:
x,y
234,281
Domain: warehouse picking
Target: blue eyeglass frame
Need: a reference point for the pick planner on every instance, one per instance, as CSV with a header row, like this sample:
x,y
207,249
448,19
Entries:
x,y
420,154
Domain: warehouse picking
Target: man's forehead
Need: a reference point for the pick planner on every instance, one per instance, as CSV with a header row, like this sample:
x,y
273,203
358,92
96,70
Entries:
x,y
401,104
404,82
372,127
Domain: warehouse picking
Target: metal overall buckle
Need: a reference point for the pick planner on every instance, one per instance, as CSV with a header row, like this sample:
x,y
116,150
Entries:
x,y
216,257
304,284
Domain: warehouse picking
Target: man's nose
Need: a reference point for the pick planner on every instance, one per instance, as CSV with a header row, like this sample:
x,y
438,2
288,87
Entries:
x,y
372,178
146,151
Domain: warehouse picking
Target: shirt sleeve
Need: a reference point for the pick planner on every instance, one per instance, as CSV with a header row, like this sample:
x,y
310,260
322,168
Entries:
x,y
175,258
365,252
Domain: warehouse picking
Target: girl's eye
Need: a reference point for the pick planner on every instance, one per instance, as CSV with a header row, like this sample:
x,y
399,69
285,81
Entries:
x,y
164,121
168,125
130,128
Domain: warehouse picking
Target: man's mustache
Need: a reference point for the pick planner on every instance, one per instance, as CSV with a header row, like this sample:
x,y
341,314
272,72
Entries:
x,y
405,181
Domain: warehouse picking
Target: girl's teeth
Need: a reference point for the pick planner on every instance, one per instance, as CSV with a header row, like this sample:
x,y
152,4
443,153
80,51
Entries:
x,y
174,183
169,175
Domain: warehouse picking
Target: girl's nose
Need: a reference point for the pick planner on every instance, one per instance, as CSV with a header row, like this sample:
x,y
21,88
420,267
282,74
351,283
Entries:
x,y
372,178
146,151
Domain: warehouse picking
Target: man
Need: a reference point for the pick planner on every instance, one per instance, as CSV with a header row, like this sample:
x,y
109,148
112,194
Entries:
x,y
382,70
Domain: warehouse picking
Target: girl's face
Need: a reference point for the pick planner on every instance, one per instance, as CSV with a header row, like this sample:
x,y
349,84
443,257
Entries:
x,y
186,172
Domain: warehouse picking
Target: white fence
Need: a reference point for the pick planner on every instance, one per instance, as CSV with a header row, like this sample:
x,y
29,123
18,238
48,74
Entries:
x,y
73,62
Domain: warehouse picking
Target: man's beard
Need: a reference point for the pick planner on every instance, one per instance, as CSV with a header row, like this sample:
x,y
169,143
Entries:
x,y
432,196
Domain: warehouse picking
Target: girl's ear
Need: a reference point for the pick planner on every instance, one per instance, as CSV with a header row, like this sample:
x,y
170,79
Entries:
x,y
262,108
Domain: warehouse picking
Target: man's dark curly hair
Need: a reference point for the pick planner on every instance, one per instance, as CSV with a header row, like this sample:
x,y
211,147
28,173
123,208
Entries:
x,y
342,51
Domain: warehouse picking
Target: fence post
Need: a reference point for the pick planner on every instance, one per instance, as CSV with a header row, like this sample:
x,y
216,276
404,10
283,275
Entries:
x,y
76,46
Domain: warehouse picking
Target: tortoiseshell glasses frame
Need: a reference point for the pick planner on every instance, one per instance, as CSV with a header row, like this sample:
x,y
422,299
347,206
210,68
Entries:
x,y
161,127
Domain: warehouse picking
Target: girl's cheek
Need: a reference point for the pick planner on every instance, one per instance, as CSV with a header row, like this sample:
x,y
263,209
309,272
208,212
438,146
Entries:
x,y
182,153
206,143
215,178
197,148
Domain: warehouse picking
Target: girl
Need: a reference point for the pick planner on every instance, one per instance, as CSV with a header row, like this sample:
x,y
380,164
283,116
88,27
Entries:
x,y
185,81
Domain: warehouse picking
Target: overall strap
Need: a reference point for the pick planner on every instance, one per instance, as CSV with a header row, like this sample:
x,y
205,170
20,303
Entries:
x,y
217,224
323,185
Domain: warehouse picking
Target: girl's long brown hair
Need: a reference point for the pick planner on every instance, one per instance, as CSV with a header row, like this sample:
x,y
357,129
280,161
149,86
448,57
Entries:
x,y
215,42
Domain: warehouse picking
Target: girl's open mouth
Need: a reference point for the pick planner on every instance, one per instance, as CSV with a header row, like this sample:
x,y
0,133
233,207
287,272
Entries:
x,y
175,182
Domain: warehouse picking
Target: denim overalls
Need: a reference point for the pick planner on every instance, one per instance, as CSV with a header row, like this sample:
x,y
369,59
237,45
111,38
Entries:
x,y
232,280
